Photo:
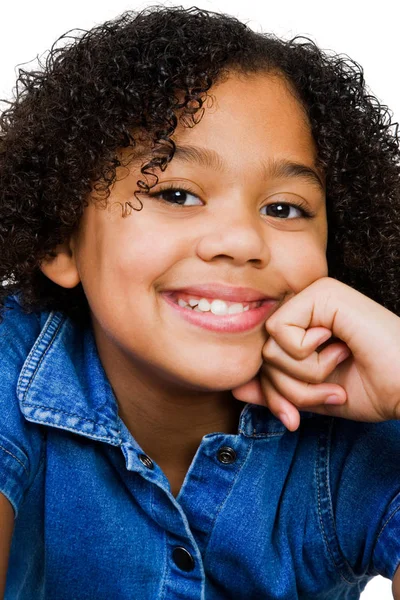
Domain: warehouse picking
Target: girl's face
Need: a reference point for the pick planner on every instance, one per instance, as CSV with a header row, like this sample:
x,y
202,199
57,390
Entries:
x,y
252,216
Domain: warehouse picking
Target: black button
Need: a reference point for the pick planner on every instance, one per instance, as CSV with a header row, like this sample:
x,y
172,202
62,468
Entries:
x,y
146,461
183,559
226,455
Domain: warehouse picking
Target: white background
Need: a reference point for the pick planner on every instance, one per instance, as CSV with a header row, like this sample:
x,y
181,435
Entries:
x,y
367,32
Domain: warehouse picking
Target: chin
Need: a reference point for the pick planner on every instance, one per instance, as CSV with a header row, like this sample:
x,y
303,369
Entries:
x,y
226,377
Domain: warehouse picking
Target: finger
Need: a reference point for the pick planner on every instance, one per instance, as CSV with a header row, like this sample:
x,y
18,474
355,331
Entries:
x,y
297,341
250,392
288,414
280,406
300,393
312,369
325,304
253,393
293,328
298,322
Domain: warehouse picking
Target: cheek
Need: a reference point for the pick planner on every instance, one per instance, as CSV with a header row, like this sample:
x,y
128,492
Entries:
x,y
302,263
141,258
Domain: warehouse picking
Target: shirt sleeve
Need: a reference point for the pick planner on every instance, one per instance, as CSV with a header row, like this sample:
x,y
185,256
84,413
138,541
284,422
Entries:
x,y
21,442
364,480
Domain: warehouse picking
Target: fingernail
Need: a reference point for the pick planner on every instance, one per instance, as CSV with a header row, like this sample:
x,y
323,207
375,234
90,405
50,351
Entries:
x,y
285,419
333,400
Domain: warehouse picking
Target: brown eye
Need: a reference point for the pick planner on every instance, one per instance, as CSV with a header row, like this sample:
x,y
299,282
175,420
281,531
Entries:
x,y
284,210
178,196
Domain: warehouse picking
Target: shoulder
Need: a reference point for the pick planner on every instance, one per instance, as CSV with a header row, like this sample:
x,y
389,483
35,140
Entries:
x,y
20,441
18,333
18,329
364,487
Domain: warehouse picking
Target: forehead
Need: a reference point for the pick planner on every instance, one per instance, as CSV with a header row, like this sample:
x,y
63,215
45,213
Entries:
x,y
249,122
249,116
253,130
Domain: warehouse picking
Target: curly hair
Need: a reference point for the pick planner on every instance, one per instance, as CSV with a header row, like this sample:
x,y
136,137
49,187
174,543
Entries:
x,y
145,71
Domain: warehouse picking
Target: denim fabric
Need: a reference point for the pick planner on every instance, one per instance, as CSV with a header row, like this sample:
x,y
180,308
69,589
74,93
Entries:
x,y
311,514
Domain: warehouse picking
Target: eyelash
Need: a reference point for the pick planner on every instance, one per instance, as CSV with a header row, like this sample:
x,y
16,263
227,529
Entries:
x,y
306,213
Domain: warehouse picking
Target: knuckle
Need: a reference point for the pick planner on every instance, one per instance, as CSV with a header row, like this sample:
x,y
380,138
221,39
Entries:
x,y
271,326
305,396
302,353
313,378
316,375
300,399
323,282
269,352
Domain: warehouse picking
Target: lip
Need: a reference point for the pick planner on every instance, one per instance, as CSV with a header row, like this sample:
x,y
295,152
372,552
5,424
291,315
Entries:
x,y
236,323
222,292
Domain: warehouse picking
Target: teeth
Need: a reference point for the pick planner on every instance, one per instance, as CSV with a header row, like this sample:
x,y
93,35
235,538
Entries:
x,y
204,305
217,307
233,309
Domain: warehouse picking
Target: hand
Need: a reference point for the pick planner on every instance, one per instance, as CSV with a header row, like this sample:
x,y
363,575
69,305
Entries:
x,y
362,368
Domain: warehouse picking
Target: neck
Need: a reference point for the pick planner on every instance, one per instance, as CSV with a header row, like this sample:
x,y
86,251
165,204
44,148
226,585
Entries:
x,y
166,421
170,428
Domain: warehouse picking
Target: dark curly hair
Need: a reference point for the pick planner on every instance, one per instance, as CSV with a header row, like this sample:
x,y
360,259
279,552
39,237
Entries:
x,y
61,135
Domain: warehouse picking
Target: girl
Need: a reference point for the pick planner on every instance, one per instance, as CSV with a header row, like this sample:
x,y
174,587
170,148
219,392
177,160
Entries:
x,y
189,210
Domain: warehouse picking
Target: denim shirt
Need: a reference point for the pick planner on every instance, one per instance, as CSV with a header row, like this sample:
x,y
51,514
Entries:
x,y
262,514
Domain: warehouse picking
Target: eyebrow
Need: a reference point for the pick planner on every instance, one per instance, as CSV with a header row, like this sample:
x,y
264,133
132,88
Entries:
x,y
278,168
281,168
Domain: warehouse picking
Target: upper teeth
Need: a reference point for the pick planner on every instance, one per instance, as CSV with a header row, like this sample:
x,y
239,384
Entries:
x,y
217,307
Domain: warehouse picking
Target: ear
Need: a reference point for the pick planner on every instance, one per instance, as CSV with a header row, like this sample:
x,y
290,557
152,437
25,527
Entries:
x,y
62,269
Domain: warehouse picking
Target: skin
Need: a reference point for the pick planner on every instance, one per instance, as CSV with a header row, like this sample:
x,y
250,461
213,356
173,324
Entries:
x,y
396,585
172,380
363,365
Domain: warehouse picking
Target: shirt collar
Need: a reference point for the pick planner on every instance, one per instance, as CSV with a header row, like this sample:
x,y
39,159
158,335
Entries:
x,y
63,384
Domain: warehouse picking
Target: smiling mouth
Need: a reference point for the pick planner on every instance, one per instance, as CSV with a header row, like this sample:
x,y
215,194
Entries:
x,y
214,306
220,315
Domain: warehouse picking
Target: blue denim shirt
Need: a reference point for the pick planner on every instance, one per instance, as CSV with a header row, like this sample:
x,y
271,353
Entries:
x,y
262,514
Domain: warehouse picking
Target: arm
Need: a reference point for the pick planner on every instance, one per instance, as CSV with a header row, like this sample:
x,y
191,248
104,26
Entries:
x,y
396,585
6,529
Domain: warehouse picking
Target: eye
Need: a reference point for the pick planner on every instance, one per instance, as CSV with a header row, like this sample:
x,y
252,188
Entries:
x,y
180,196
286,210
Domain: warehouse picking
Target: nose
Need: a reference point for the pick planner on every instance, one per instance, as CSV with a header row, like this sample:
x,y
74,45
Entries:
x,y
238,237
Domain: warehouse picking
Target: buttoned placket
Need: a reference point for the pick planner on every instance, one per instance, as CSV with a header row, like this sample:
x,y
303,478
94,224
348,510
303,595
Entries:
x,y
188,519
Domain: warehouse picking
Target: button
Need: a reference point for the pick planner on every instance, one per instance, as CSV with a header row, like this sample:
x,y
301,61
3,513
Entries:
x,y
146,460
226,455
183,559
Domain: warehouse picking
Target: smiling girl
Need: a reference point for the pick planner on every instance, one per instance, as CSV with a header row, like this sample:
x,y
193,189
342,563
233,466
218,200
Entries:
x,y
175,190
